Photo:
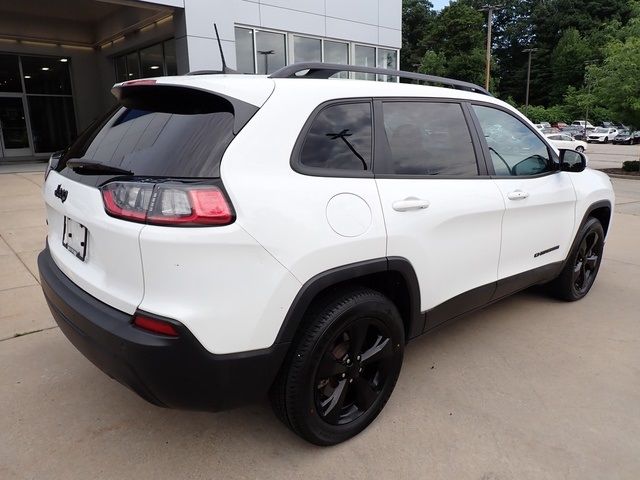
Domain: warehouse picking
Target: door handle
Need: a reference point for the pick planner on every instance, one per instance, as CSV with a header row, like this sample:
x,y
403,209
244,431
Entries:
x,y
517,195
410,203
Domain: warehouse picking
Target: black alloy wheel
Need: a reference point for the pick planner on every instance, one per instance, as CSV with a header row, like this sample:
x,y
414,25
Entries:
x,y
582,264
587,261
353,371
342,366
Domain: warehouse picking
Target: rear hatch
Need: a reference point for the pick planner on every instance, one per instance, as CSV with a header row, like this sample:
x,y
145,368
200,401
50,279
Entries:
x,y
163,139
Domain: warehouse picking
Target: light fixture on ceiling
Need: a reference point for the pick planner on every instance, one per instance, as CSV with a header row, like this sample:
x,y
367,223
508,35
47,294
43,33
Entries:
x,y
64,60
27,76
154,67
45,69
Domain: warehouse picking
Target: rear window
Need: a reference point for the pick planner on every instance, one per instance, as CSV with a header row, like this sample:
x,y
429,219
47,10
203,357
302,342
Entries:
x,y
161,132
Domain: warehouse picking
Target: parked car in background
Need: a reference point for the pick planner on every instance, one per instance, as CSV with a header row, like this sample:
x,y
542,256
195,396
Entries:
x,y
562,140
560,125
602,135
626,137
539,126
583,124
545,124
575,131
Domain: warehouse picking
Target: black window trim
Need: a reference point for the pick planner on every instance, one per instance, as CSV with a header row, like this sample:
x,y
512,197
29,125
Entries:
x,y
295,160
383,150
487,154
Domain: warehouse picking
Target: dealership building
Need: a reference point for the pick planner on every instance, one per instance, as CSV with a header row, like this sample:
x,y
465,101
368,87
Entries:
x,y
59,58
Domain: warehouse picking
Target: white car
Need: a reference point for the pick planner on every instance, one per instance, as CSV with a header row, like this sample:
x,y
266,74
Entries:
x,y
218,237
602,135
564,141
582,124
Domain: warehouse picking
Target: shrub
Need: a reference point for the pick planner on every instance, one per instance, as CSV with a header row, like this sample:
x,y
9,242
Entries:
x,y
631,166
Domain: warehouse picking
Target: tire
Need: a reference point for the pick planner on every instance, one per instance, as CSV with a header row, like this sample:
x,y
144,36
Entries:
x,y
606,140
580,148
331,407
582,265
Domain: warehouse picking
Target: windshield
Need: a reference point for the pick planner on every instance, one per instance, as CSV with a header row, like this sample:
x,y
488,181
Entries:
x,y
624,132
601,130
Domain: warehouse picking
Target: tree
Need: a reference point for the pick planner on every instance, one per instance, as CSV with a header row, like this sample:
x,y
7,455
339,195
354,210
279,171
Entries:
x,y
617,80
417,16
454,43
568,63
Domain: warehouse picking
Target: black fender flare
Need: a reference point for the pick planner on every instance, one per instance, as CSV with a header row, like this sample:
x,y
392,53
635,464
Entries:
x,y
585,217
414,324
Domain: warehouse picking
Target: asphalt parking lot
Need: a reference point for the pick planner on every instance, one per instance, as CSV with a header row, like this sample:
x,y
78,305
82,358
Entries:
x,y
529,388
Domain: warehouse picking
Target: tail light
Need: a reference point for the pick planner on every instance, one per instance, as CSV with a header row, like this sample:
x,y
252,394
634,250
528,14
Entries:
x,y
168,203
155,325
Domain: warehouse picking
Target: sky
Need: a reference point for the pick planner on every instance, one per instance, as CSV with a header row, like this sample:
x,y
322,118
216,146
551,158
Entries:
x,y
438,4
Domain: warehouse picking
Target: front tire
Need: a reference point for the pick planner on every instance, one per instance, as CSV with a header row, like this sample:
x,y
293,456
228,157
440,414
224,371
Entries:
x,y
341,368
582,265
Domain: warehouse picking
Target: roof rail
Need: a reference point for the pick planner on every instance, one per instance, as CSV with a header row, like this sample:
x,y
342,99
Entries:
x,y
326,70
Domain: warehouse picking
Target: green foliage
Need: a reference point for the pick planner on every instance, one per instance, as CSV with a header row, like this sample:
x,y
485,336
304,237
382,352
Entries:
x,y
586,58
631,166
567,63
454,44
433,63
417,16
617,80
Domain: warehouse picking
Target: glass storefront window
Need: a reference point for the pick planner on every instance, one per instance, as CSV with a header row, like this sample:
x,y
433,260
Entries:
x,y
151,61
46,75
244,50
121,69
170,61
336,52
387,59
155,61
307,49
133,66
53,123
366,57
9,74
271,50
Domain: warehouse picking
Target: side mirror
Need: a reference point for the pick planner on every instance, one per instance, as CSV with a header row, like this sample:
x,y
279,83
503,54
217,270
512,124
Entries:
x,y
572,161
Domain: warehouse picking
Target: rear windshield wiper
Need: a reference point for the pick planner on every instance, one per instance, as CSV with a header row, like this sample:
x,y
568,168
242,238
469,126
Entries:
x,y
97,168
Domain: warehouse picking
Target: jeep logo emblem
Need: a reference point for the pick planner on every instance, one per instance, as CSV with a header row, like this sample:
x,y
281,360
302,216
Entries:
x,y
61,193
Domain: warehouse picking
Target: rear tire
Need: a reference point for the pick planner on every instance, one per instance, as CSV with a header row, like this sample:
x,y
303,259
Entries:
x,y
341,368
582,265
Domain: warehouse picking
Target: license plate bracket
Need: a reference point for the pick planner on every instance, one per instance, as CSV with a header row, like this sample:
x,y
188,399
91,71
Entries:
x,y
74,238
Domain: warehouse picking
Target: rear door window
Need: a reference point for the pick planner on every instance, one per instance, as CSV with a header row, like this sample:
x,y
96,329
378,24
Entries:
x,y
428,138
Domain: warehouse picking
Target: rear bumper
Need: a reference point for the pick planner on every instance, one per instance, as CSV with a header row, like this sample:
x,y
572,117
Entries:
x,y
169,372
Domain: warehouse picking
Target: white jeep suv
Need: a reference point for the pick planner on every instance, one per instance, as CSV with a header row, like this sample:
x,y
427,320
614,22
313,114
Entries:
x,y
219,237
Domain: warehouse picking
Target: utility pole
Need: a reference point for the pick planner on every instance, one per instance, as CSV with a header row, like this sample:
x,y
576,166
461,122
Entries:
x,y
526,101
489,9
